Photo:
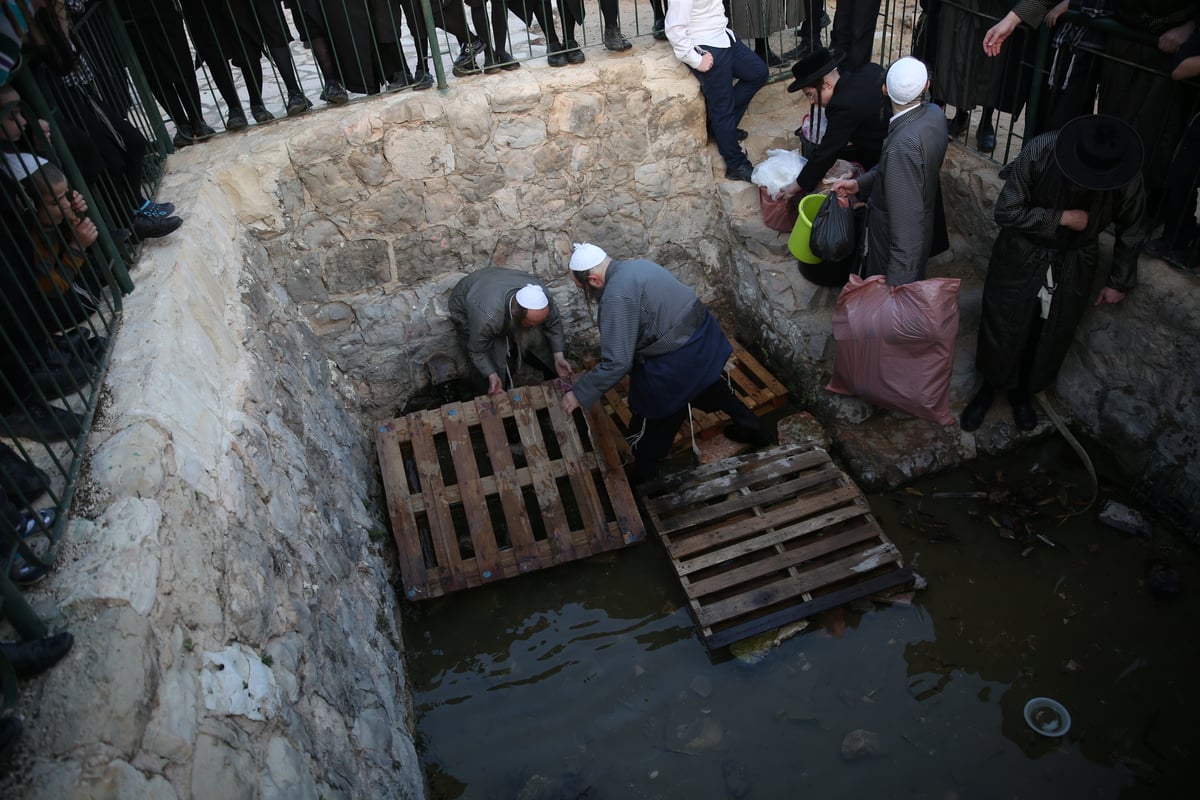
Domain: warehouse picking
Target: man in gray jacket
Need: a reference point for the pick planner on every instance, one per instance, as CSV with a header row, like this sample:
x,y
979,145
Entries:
x,y
654,329
902,189
504,318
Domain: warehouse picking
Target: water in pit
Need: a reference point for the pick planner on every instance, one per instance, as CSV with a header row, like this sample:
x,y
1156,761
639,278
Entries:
x,y
588,680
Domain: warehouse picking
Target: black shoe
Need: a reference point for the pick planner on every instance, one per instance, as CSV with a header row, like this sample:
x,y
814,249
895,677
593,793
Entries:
x,y
29,527
23,481
79,344
152,209
400,80
297,104
741,173
236,121
556,55
45,423
574,52
763,51
985,136
755,437
154,227
499,60
335,94
614,39
972,416
742,134
51,381
31,658
203,131
260,113
183,137
422,80
1158,248
1022,410
659,29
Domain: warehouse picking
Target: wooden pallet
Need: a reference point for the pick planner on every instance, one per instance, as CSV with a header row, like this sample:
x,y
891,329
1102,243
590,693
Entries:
x,y
750,381
768,538
465,510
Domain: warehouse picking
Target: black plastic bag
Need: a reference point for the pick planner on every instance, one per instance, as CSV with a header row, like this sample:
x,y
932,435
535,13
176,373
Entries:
x,y
832,237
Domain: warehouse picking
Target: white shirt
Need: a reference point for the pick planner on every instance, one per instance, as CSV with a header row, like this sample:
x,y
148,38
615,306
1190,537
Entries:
x,y
697,23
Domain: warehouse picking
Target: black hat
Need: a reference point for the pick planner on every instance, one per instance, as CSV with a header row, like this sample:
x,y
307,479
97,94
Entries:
x,y
809,70
1098,152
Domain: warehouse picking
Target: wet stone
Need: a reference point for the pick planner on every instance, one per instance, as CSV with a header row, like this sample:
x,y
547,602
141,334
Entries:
x,y
860,744
737,783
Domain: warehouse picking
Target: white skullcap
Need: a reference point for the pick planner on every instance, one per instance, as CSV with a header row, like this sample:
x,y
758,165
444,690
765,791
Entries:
x,y
586,256
532,297
906,80
20,166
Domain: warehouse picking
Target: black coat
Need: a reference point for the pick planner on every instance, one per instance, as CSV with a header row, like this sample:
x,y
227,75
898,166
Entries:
x,y
856,125
1028,211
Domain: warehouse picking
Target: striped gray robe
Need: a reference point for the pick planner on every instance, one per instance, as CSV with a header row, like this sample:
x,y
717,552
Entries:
x,y
901,192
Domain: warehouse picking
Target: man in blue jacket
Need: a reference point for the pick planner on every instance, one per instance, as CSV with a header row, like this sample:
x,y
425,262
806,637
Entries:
x,y
654,329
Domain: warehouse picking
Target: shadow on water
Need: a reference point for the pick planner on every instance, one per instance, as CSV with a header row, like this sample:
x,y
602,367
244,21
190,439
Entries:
x,y
588,680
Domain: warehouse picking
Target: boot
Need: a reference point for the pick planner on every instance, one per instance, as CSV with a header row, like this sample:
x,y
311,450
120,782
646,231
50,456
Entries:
x,y
614,39
30,658
556,54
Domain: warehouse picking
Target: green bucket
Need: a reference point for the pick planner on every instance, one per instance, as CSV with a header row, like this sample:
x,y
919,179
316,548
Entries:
x,y
798,241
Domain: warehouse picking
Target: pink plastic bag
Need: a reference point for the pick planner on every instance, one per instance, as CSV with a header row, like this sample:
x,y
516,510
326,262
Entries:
x,y
895,344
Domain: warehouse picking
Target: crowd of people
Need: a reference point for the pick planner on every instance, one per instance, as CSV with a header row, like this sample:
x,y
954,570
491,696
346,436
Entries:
x,y
1120,150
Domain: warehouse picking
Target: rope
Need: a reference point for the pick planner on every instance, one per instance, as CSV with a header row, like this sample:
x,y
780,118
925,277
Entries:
x,y
692,430
1075,445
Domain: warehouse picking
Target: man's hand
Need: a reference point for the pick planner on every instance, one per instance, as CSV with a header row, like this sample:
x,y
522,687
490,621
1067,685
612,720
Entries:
x,y
562,367
85,232
1056,12
495,385
569,403
996,35
1074,218
1109,295
1172,40
844,189
706,62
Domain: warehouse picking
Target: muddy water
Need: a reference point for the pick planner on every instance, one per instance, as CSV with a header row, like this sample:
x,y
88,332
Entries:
x,y
589,681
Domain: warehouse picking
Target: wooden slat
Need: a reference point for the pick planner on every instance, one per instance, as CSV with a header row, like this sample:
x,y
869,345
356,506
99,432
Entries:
x,y
629,527
474,501
793,587
840,597
492,410
525,404
441,525
579,468
765,538
404,523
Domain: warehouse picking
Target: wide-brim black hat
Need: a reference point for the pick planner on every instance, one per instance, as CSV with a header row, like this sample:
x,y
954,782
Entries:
x,y
1098,152
809,70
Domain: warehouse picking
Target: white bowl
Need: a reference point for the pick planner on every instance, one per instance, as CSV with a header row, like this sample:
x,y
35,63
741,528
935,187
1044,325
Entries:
x,y
1047,717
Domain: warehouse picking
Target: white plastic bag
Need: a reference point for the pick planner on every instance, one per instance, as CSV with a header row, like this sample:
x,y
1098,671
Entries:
x,y
780,168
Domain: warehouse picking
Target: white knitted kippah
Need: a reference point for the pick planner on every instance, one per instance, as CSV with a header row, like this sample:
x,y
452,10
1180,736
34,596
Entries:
x,y
586,256
906,80
532,297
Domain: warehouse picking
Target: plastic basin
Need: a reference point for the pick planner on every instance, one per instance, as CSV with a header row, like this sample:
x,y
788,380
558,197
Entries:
x,y
802,230
1048,717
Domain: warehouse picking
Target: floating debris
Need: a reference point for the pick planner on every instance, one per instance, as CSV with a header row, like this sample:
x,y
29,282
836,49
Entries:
x,y
1124,518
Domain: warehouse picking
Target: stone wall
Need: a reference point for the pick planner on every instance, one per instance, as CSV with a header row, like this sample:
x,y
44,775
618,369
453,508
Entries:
x,y
236,628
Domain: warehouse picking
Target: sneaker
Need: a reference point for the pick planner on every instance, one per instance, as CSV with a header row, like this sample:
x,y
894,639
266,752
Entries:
x,y
335,94
45,423
154,227
261,114
574,52
236,121
466,56
151,209
297,104
40,523
462,69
